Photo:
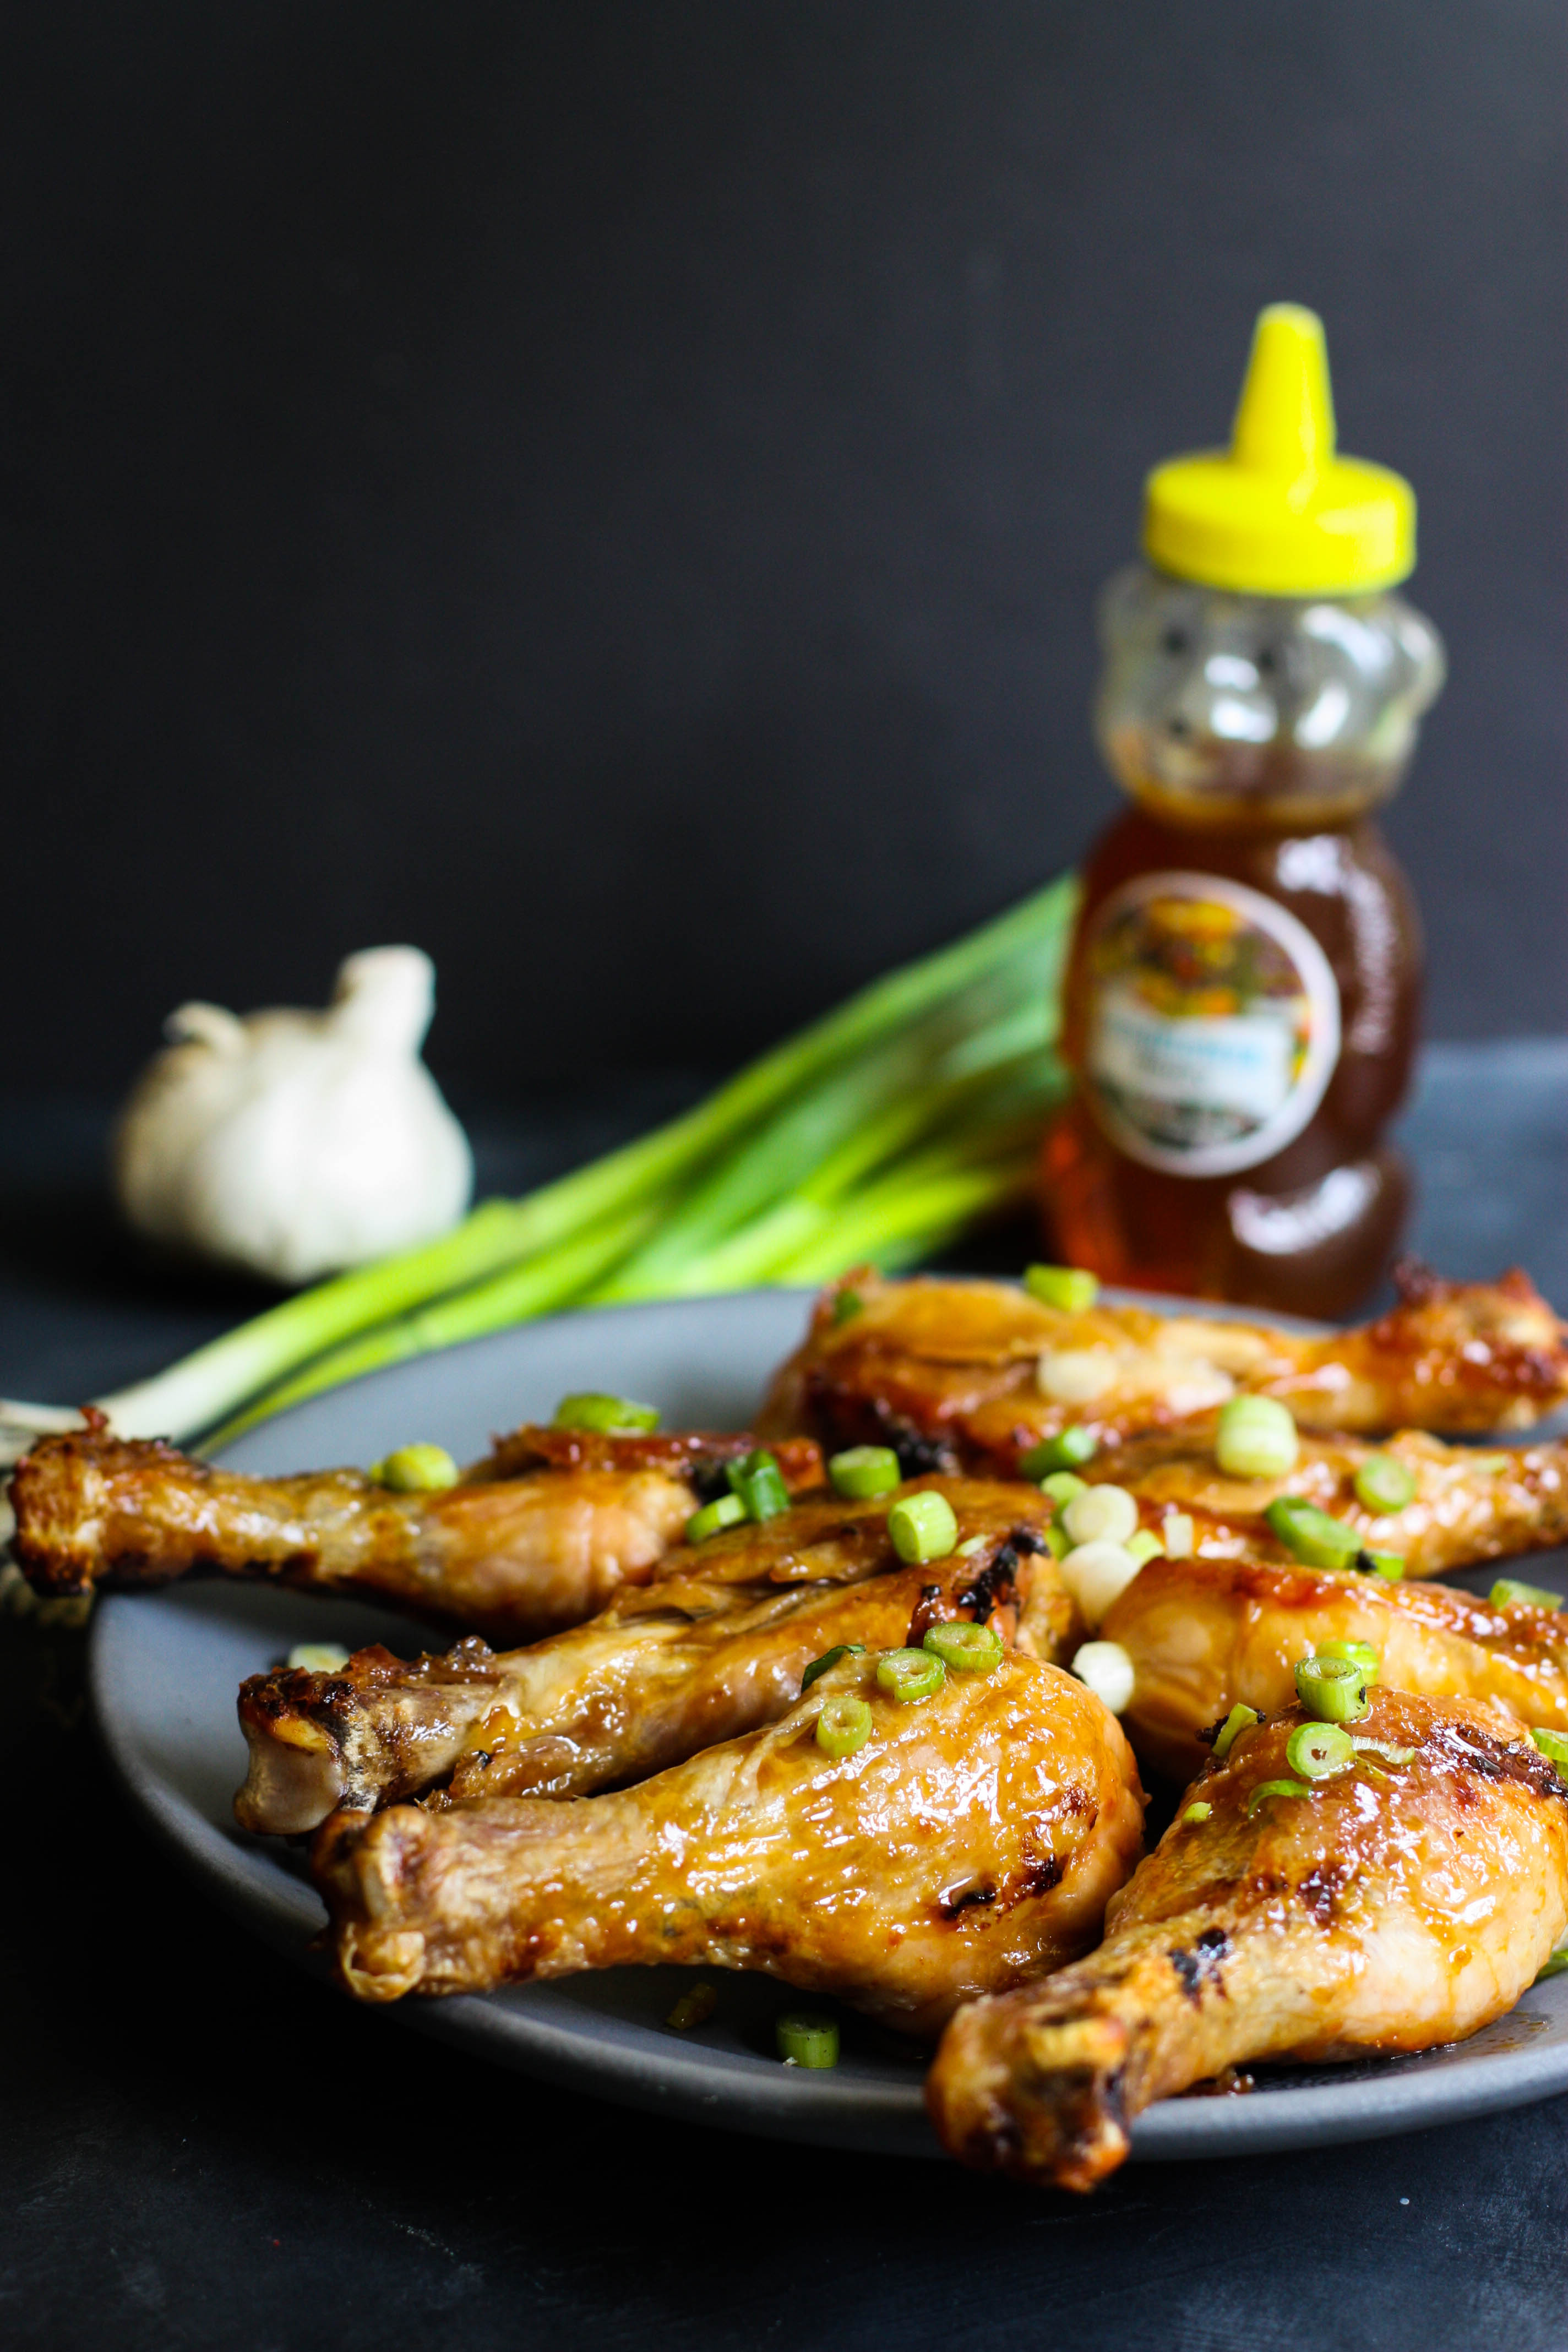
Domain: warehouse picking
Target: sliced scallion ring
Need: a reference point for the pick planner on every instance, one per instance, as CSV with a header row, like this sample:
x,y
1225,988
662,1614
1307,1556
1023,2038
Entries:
x,y
922,1526
1275,1788
1061,1486
844,1724
1389,1749
1310,1535
907,1674
417,1470
593,1411
1065,1287
1359,1654
1318,1751
1508,1589
965,1649
724,1511
1198,1811
1240,1719
1068,1450
864,1470
806,2039
1385,1483
1256,1438
757,1479
1553,1746
1332,1689
1101,1515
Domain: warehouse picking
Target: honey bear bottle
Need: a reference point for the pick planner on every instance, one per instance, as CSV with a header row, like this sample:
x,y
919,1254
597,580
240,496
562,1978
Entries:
x,y
1243,986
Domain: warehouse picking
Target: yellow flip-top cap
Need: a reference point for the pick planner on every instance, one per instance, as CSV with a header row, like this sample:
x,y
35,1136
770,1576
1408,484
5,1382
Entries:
x,y
1278,514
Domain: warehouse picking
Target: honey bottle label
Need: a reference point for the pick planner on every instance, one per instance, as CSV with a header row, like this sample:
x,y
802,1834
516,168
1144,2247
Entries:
x,y
1214,1023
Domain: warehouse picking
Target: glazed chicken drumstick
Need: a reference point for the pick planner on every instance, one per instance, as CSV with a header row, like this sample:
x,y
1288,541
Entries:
x,y
1405,1902
537,1536
971,1840
1466,1505
714,1645
1203,1635
970,1375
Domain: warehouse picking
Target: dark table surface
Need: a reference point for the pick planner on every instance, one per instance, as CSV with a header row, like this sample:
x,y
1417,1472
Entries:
x,y
200,2147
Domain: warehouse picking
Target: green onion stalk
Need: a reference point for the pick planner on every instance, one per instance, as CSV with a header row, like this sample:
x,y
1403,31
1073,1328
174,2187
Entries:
x,y
878,1132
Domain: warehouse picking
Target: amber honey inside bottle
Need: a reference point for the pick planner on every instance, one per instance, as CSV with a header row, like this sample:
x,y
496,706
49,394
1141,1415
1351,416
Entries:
x,y
1242,989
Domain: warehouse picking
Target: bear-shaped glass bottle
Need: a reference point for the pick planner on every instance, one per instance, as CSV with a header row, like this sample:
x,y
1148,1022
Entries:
x,y
1243,987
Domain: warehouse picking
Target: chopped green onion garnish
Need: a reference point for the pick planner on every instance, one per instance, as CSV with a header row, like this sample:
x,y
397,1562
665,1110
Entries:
x,y
846,1303
863,1470
1528,1596
1101,1515
1066,1287
1059,1543
317,1657
726,1511
965,1649
1198,1811
1062,1485
1552,1965
1256,1439
1068,1450
1145,1545
417,1470
1385,1483
1333,1689
592,1411
1275,1788
907,1675
695,2007
1386,1749
1388,1564
967,1550
1310,1534
1554,1747
1319,1750
922,1526
1107,1669
830,1658
759,1482
1240,1719
1180,1535
1360,1653
806,2039
844,1725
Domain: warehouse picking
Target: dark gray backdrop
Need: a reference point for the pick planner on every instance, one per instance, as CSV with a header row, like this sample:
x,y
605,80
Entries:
x,y
613,492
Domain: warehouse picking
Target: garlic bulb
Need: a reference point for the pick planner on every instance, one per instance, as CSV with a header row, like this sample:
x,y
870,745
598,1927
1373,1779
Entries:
x,y
297,1143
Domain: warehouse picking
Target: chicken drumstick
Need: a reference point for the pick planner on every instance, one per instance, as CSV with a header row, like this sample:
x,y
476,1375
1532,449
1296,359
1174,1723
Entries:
x,y
1405,1902
973,1840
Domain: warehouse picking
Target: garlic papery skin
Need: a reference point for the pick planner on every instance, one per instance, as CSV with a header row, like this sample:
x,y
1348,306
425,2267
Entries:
x,y
293,1143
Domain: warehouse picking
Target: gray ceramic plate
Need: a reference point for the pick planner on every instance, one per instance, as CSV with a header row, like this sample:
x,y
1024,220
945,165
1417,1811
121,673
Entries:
x,y
165,1668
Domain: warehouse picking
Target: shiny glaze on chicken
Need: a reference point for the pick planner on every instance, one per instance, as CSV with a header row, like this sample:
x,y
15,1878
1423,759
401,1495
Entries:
x,y
1470,1504
508,1556
971,1374
712,1646
1398,1905
1204,1633
974,1841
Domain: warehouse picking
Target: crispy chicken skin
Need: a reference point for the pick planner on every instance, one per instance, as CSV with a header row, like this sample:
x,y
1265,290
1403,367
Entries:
x,y
972,1841
971,1374
509,1554
1388,1910
712,1646
1468,1505
1204,1633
